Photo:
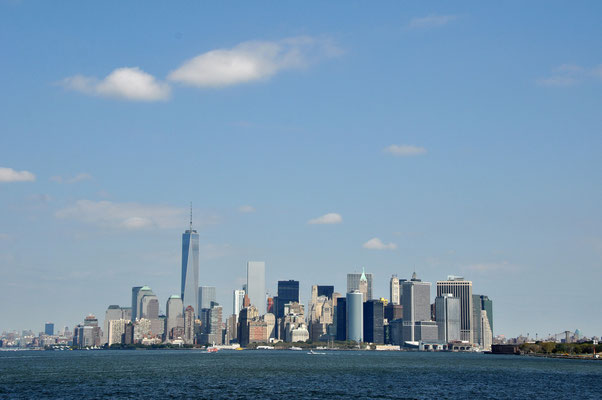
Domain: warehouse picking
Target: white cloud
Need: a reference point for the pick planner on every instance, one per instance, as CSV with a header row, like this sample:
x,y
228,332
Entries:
x,y
10,175
566,75
557,81
430,21
39,198
123,83
404,150
251,61
503,266
132,216
330,218
77,178
246,209
377,244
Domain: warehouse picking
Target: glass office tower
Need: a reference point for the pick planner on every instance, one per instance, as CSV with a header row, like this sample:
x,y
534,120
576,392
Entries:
x,y
256,285
190,268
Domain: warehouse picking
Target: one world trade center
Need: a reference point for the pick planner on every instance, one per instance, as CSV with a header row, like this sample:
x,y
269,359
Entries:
x,y
190,267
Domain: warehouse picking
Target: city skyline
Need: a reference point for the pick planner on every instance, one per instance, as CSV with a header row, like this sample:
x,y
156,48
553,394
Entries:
x,y
442,139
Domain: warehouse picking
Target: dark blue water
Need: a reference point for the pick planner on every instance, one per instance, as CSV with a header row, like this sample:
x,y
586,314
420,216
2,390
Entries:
x,y
292,375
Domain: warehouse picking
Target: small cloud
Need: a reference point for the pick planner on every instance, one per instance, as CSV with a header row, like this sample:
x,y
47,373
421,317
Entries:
x,y
123,83
80,177
130,216
252,61
330,218
246,209
39,198
557,81
10,175
430,21
74,179
567,75
137,223
377,244
503,266
403,150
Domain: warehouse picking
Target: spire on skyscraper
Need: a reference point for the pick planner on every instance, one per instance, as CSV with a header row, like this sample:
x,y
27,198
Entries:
x,y
191,216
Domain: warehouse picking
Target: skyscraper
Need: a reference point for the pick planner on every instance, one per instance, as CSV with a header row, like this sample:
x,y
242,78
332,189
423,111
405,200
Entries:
x,y
461,289
135,291
416,306
206,296
288,292
114,313
482,314
394,290
256,285
353,283
238,301
355,314
175,316
49,328
374,331
341,322
447,309
326,290
190,267
189,325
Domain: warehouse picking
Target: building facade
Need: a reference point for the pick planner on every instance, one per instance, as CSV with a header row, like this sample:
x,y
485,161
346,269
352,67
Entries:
x,y
238,301
256,285
416,306
374,314
462,289
174,322
394,290
447,309
355,316
206,296
190,268
353,283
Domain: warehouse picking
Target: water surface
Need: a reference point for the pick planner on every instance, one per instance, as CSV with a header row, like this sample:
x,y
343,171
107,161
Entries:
x,y
293,375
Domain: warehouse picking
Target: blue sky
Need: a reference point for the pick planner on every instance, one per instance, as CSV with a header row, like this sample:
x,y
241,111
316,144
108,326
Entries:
x,y
463,137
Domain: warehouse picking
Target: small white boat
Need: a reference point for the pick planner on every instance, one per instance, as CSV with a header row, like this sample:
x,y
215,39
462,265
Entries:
x,y
296,348
315,352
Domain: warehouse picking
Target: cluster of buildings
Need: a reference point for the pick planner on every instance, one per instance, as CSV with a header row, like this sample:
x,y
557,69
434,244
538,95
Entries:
x,y
457,319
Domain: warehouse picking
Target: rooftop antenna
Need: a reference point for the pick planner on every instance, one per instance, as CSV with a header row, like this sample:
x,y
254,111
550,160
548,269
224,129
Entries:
x,y
191,216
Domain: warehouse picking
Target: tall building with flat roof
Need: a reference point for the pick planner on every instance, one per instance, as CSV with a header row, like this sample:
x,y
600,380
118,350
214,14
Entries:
x,y
190,267
374,331
416,306
353,283
482,316
394,290
256,285
238,301
175,316
326,290
447,309
49,328
461,289
114,313
355,316
341,321
135,291
288,292
206,296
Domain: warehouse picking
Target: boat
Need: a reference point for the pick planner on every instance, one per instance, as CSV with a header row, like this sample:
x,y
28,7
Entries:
x,y
296,348
212,349
315,353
